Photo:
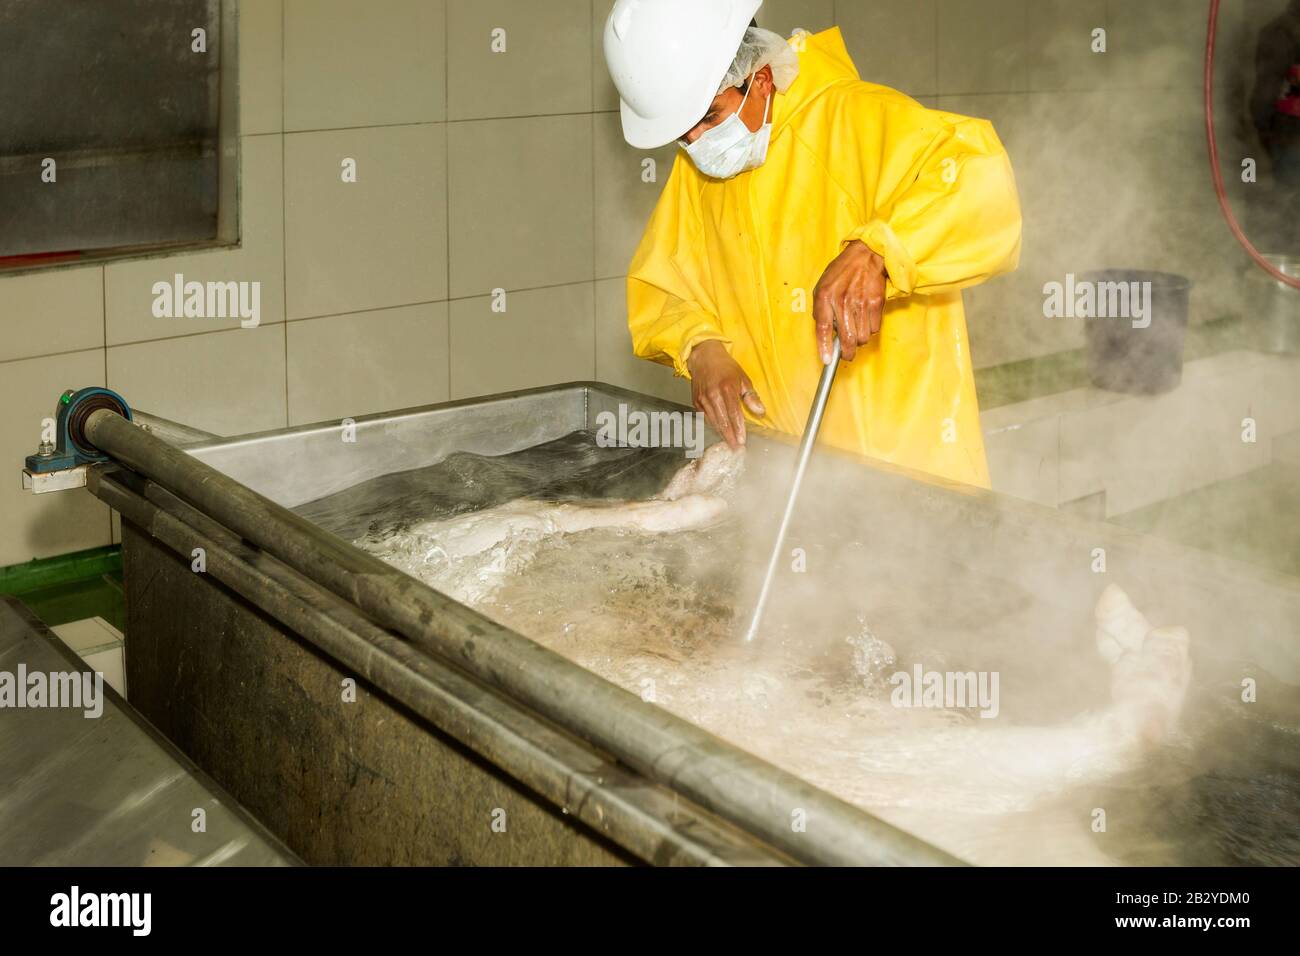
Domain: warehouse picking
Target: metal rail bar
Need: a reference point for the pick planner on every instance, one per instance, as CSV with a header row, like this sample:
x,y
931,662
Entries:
x,y
169,431
753,794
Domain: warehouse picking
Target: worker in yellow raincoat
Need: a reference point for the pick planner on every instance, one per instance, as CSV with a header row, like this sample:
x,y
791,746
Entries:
x,y
808,201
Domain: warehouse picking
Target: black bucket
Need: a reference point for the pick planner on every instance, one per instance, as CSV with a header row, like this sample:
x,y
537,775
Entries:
x,y
1144,360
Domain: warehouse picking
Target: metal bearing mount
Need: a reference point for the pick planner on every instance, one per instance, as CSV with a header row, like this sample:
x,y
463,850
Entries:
x,y
71,447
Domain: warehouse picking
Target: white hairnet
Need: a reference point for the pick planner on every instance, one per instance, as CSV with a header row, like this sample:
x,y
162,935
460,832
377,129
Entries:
x,y
758,49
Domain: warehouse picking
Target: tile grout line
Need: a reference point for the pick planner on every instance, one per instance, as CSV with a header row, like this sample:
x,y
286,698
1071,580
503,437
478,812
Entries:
x,y
284,214
438,122
576,283
103,305
88,350
446,183
595,319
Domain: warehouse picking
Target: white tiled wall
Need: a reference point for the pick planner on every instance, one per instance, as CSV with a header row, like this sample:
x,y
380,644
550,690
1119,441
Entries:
x,y
128,296
521,203
543,70
480,170
378,242
223,382
350,64
542,336
349,365
51,312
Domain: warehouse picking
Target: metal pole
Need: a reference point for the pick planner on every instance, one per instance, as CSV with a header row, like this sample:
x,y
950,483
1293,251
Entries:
x,y
718,776
173,433
805,452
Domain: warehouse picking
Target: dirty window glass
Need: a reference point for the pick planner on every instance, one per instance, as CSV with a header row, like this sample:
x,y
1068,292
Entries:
x,y
110,122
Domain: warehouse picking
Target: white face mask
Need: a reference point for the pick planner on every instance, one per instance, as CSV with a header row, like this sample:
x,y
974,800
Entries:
x,y
730,148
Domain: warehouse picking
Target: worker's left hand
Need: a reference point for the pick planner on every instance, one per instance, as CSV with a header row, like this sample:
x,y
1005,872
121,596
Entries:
x,y
850,299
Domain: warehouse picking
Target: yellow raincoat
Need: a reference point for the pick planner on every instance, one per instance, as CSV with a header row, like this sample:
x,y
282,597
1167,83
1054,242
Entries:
x,y
737,260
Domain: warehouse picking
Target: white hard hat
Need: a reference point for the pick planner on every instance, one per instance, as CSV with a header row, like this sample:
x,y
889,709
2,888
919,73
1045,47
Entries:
x,y
667,58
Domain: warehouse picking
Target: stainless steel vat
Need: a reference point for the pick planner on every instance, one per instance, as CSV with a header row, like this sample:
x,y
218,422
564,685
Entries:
x,y
227,670
469,743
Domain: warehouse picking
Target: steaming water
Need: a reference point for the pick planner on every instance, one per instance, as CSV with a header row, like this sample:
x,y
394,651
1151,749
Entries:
x,y
662,616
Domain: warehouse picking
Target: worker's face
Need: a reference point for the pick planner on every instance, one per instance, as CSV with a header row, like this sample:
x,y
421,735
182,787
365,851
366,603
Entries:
x,y
728,102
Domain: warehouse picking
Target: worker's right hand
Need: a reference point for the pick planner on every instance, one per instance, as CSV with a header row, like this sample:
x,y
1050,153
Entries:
x,y
718,386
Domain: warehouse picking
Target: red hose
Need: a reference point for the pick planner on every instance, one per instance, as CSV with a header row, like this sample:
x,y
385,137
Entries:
x,y
1264,264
